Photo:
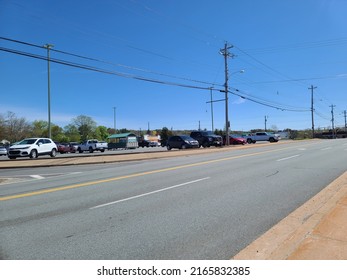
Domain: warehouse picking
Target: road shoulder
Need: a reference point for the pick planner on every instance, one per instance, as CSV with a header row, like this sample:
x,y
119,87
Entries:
x,y
315,231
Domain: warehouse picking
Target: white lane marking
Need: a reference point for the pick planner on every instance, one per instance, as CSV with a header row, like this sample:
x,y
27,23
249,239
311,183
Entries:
x,y
328,148
37,177
149,193
302,149
288,158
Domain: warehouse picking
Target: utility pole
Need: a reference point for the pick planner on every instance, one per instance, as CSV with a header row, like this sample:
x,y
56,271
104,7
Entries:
x,y
344,112
212,109
225,52
312,110
266,118
48,47
332,119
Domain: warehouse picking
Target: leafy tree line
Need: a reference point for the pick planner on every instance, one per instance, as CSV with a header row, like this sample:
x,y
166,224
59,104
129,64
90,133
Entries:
x,y
13,129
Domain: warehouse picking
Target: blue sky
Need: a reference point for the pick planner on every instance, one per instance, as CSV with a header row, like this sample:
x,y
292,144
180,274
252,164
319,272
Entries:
x,y
283,47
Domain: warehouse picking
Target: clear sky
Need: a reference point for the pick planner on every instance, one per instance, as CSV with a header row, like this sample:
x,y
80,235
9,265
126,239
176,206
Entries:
x,y
157,59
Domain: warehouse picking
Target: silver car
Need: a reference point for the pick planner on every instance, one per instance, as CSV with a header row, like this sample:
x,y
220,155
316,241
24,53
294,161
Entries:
x,y
3,151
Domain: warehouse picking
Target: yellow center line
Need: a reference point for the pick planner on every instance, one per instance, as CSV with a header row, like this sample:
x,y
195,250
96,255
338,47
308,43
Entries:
x,y
51,190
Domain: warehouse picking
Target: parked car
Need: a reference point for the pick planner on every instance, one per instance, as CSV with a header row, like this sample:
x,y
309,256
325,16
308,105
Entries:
x,y
262,136
143,143
74,146
181,142
207,138
3,151
235,140
65,148
33,147
92,145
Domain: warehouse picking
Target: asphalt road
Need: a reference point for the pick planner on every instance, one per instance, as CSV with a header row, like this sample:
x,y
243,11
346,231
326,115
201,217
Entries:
x,y
206,206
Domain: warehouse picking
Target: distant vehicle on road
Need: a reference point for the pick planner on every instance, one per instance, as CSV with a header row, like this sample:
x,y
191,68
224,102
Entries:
x,y
262,136
65,148
3,151
33,147
207,138
143,143
235,139
74,146
181,142
92,145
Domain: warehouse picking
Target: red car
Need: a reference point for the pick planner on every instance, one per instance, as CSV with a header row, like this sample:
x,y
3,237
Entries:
x,y
236,140
65,148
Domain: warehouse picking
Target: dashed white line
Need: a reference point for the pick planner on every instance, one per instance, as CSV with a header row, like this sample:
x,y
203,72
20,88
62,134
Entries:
x,y
37,177
328,148
288,158
149,193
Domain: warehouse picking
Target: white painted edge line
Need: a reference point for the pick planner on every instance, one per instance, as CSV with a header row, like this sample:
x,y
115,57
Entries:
x,y
149,193
328,148
288,158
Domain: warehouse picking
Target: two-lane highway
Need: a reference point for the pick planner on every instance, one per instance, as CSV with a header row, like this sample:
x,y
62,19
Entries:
x,y
206,206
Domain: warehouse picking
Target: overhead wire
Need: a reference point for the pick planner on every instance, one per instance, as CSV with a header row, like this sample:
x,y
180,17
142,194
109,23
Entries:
x,y
87,67
236,92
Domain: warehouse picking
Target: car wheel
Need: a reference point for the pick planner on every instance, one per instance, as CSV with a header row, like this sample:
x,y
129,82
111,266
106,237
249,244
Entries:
x,y
168,147
33,154
102,151
272,140
249,141
90,150
183,146
53,152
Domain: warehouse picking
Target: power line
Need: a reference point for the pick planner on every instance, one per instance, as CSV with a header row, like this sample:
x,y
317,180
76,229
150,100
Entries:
x,y
111,63
87,67
264,103
127,75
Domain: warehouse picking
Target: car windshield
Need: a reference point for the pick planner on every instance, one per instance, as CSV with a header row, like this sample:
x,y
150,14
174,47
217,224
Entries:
x,y
27,141
185,137
207,133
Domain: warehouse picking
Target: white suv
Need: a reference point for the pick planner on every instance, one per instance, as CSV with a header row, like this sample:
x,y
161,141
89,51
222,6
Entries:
x,y
33,147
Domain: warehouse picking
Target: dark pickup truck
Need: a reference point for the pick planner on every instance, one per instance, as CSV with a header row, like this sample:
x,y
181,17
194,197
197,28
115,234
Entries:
x,y
207,138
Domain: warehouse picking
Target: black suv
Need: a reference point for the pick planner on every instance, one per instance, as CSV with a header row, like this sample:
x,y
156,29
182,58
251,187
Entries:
x,y
207,138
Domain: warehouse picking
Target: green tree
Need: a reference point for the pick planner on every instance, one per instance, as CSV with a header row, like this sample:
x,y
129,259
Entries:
x,y
101,133
57,133
165,134
86,126
40,128
2,127
14,128
72,133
